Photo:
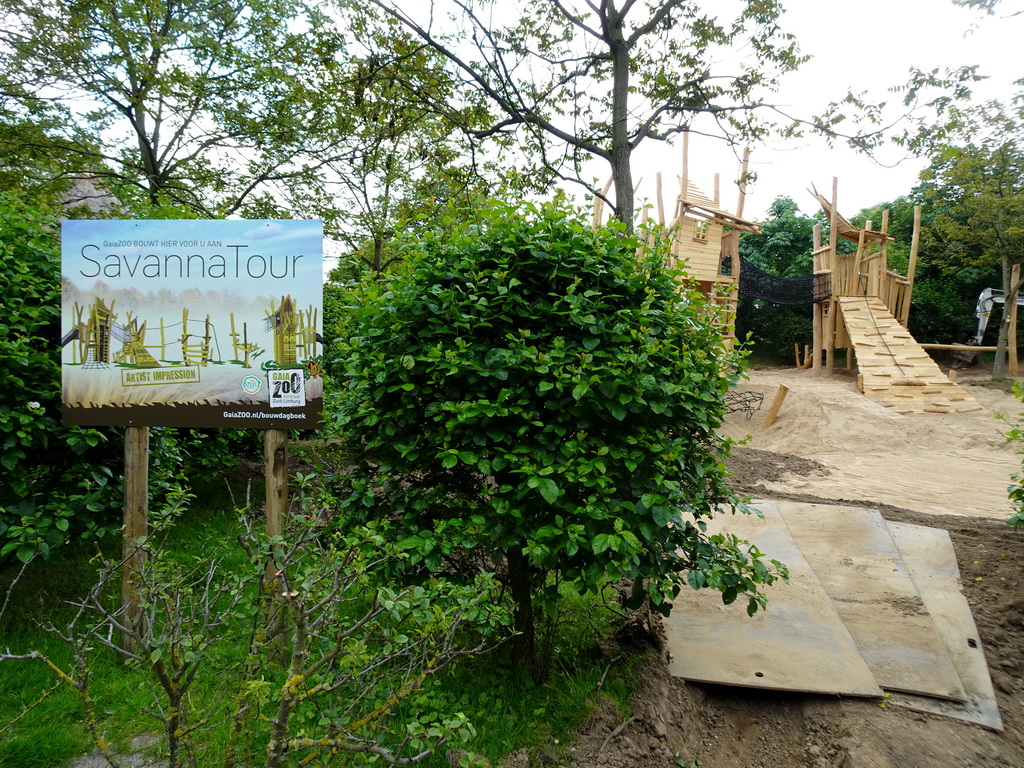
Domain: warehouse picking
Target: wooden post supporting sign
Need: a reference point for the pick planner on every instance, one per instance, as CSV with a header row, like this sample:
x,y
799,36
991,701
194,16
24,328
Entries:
x,y
275,457
136,528
275,467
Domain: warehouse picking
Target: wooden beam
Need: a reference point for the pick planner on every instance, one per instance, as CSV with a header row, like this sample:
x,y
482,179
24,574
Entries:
x,y
661,202
911,266
275,458
773,414
136,528
1012,330
960,347
744,168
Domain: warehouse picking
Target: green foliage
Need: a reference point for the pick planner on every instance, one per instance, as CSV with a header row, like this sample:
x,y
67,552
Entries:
x,y
238,672
56,476
975,183
1016,489
64,481
542,393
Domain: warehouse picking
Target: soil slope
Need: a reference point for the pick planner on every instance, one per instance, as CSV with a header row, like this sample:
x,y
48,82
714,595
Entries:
x,y
830,444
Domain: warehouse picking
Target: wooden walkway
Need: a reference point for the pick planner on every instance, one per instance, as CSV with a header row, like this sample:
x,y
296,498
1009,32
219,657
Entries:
x,y
895,370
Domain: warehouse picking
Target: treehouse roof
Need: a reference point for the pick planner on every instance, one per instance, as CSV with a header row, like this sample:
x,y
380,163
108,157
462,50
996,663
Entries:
x,y
696,203
846,230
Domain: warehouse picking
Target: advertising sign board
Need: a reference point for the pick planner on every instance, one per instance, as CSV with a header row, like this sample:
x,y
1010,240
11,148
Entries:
x,y
186,323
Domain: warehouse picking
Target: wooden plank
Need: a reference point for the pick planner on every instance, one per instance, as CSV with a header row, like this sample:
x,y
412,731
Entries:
x,y
773,414
957,346
854,557
929,558
136,528
798,644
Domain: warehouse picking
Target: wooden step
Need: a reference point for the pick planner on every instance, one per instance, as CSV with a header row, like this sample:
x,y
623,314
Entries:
x,y
896,371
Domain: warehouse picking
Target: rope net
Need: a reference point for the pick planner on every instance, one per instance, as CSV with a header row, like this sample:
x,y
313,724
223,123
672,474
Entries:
x,y
755,283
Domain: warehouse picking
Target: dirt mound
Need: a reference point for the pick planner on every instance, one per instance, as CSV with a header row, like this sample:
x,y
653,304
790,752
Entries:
x,y
830,444
955,463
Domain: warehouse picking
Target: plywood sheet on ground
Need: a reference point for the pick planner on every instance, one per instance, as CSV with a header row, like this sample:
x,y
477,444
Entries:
x,y
930,560
798,644
856,560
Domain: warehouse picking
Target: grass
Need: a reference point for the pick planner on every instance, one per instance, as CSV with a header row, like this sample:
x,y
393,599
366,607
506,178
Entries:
x,y
43,725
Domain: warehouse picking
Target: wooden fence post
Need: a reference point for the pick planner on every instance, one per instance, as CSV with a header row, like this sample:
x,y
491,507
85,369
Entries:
x,y
136,527
275,467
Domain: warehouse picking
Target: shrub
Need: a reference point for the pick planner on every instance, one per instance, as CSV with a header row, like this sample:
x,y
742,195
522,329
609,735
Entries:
x,y
314,664
545,395
55,475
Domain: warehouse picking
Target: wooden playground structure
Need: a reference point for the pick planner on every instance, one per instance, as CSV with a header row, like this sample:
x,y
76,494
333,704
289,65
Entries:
x,y
860,304
705,237
866,314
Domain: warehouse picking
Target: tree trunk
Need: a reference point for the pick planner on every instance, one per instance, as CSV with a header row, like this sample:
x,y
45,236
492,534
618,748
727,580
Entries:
x,y
1010,293
520,583
621,149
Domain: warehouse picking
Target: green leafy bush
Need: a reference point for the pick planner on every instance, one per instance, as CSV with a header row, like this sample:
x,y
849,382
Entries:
x,y
1016,489
54,475
319,663
544,397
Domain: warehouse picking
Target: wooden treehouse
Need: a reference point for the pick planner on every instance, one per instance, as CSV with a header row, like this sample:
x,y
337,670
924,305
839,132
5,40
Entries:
x,y
866,314
705,242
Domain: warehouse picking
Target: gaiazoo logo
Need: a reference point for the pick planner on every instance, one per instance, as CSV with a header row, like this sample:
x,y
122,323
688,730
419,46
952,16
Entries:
x,y
251,385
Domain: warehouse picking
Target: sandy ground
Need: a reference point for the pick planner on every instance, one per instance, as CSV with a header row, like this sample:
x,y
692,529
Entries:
x,y
831,444
954,463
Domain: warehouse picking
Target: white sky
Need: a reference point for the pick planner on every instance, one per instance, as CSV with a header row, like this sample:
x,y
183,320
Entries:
x,y
864,45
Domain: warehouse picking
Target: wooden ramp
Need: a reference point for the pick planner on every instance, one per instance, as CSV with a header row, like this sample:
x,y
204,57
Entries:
x,y
895,371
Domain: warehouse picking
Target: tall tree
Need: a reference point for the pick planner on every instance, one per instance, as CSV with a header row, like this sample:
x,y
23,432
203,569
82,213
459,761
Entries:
x,y
186,102
579,79
978,187
405,152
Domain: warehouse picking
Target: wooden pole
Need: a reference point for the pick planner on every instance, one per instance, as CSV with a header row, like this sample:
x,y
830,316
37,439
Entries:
x,y
855,275
911,266
744,168
684,181
661,202
773,414
275,457
1011,337
833,232
831,327
136,528
275,467
817,310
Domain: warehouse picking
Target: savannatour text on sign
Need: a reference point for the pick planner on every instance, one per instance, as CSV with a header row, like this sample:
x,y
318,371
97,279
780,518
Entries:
x,y
192,323
126,259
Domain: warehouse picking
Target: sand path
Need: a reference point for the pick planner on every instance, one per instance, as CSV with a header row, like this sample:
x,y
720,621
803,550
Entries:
x,y
955,463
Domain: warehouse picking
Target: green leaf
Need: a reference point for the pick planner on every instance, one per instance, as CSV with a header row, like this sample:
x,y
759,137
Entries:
x,y
548,489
